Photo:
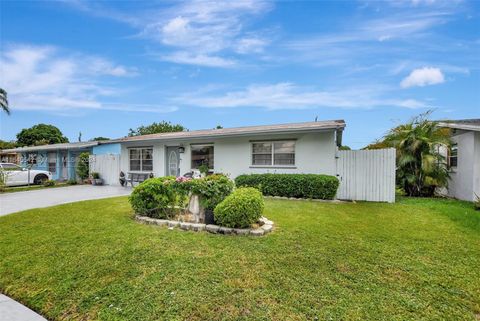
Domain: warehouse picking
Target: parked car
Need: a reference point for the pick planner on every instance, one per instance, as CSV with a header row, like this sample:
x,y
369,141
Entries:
x,y
17,175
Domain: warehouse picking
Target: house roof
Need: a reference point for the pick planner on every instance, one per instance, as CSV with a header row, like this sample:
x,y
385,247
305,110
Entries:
x,y
62,146
465,124
240,131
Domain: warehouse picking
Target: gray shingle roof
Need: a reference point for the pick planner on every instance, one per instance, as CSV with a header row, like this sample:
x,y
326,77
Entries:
x,y
241,131
465,124
63,146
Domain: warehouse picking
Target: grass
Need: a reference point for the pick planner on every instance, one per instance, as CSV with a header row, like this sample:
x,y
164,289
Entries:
x,y
13,189
415,260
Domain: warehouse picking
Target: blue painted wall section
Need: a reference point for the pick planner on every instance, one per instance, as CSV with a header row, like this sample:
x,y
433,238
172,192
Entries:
x,y
104,149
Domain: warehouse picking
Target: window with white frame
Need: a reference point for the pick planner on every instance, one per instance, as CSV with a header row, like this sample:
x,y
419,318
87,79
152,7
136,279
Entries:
x,y
141,159
52,162
202,155
273,153
453,156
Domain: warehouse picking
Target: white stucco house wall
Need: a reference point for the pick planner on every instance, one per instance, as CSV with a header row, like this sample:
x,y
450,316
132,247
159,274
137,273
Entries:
x,y
464,159
308,147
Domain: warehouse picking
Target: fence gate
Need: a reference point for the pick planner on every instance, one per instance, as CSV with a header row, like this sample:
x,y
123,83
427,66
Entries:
x,y
108,166
367,175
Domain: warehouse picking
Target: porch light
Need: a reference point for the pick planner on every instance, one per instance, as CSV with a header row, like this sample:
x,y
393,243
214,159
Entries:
x,y
181,149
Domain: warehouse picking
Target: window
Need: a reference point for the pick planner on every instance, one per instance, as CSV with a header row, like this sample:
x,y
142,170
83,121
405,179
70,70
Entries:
x,y
52,162
273,153
453,157
141,159
32,159
202,154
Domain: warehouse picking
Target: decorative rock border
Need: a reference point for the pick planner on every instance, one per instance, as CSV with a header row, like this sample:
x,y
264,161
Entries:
x,y
266,226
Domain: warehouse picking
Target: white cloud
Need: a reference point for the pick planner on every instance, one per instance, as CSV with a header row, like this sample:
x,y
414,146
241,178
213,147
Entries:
x,y
423,77
183,57
47,79
290,96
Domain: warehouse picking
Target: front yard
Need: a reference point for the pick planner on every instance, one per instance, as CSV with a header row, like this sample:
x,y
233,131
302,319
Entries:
x,y
416,259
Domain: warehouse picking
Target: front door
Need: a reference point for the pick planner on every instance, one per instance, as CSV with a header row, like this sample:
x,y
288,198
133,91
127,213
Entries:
x,y
173,161
64,172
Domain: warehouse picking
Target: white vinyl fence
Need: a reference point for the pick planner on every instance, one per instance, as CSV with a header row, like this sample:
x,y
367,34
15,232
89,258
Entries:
x,y
367,175
108,166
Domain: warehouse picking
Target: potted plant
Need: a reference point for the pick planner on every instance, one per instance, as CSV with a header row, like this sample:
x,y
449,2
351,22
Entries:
x,y
203,169
96,180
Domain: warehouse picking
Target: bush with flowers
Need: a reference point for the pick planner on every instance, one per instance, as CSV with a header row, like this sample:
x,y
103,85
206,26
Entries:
x,y
165,197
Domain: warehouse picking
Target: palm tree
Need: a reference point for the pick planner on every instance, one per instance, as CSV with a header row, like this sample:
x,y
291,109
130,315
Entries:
x,y
4,101
421,167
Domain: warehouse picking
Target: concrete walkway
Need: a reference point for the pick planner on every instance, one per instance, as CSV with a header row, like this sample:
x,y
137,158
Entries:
x,y
11,310
20,201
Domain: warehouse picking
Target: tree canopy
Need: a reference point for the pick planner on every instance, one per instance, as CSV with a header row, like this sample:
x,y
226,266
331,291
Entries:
x,y
99,138
39,135
155,128
7,145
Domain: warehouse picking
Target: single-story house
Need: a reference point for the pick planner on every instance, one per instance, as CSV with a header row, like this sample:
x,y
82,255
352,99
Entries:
x,y
289,148
464,159
59,159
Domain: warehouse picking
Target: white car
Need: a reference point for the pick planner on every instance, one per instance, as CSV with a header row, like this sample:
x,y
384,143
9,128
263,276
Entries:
x,y
16,175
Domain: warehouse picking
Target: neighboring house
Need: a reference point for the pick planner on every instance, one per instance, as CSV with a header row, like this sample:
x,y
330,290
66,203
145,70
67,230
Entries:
x,y
290,148
464,159
59,159
9,157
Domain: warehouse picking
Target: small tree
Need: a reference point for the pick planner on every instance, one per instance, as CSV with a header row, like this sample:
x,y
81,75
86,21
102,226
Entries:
x,y
421,168
83,165
156,128
40,134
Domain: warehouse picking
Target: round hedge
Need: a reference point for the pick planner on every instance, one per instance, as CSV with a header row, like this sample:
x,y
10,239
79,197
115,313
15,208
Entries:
x,y
154,197
240,209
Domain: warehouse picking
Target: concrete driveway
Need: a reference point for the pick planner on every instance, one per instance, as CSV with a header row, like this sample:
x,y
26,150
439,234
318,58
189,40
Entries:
x,y
20,201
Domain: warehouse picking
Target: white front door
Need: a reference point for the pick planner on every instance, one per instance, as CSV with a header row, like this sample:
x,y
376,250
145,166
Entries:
x,y
173,161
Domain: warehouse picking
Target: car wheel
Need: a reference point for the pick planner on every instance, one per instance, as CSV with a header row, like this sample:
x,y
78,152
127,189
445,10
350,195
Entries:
x,y
40,179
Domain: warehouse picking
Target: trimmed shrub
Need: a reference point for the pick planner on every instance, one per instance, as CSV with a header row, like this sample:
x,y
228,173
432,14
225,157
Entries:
x,y
155,197
240,209
212,189
292,185
49,183
82,166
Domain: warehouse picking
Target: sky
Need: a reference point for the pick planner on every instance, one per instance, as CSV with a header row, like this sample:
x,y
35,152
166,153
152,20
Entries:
x,y
100,68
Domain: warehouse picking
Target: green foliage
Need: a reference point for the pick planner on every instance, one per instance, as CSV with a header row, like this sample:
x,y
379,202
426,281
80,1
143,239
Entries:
x,y
164,196
292,185
155,197
72,182
39,135
95,175
212,189
49,183
421,168
240,209
98,139
203,169
7,145
82,167
155,128
344,148
4,101
3,180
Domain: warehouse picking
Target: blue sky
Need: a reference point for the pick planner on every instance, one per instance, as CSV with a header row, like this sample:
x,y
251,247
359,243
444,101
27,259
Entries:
x,y
104,67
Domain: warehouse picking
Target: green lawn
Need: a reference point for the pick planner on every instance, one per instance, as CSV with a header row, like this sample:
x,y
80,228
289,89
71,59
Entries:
x,y
418,259
14,189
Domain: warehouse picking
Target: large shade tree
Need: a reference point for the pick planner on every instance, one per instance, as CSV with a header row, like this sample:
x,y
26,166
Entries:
x,y
421,167
156,128
40,134
4,101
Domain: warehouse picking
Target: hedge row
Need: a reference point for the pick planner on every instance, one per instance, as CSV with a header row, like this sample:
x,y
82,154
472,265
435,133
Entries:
x,y
292,185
